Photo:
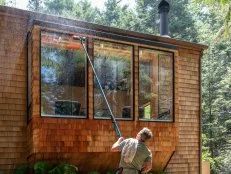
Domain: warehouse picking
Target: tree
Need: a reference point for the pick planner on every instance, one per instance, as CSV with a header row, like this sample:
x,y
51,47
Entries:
x,y
59,7
215,85
10,3
111,14
84,11
147,17
179,27
225,5
81,10
116,15
206,154
2,2
215,108
35,5
224,101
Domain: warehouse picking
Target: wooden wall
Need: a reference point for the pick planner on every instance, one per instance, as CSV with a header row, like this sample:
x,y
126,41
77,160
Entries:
x,y
13,31
87,142
77,140
186,159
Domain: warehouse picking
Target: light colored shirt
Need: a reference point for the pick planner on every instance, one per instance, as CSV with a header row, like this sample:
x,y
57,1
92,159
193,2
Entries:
x,y
143,154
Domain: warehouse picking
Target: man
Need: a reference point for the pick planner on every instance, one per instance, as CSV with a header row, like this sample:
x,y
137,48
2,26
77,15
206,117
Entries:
x,y
135,155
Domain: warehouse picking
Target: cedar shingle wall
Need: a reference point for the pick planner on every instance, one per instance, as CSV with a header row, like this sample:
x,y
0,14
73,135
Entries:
x,y
12,91
74,140
78,140
186,158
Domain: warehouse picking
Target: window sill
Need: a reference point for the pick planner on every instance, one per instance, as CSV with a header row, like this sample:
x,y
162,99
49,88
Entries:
x,y
63,116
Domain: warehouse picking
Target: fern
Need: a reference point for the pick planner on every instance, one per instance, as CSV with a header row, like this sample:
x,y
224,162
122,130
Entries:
x,y
41,167
21,170
64,168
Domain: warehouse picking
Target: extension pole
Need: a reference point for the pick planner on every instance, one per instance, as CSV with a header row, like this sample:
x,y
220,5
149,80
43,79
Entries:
x,y
100,86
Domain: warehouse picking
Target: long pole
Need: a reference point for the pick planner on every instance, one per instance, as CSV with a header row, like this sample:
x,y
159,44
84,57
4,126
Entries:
x,y
100,86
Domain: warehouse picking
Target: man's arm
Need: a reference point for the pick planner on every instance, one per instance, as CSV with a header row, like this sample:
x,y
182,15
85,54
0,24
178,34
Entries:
x,y
115,146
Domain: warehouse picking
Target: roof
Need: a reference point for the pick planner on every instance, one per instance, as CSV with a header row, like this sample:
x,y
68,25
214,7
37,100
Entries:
x,y
101,28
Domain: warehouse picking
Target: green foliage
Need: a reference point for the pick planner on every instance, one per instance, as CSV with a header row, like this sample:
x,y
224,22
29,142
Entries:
x,y
215,87
2,2
41,167
111,14
94,172
64,168
35,5
223,7
206,154
59,6
111,171
21,170
228,125
215,105
10,3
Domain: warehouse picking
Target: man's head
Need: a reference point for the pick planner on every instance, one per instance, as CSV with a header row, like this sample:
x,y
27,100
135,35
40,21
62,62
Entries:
x,y
144,135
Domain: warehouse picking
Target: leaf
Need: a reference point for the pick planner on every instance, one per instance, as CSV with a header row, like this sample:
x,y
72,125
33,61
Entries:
x,y
41,167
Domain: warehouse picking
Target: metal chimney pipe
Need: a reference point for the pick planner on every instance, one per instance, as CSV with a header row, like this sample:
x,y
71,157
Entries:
x,y
163,9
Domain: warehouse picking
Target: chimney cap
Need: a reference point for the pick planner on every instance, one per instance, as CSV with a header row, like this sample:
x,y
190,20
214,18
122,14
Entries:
x,y
163,6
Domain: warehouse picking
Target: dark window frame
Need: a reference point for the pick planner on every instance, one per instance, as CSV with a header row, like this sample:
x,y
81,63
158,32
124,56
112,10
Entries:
x,y
132,78
29,75
86,78
119,40
173,86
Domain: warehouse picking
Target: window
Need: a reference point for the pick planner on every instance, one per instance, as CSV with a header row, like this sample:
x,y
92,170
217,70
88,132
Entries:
x,y
64,79
113,64
63,76
155,85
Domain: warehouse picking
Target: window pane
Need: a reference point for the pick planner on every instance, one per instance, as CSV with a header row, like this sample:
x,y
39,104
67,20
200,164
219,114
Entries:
x,y
63,71
113,64
155,85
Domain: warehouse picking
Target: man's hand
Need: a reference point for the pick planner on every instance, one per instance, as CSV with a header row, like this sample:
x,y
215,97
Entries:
x,y
115,145
120,139
146,167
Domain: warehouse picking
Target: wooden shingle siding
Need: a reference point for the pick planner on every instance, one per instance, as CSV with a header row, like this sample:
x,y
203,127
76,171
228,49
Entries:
x,y
87,142
186,158
12,91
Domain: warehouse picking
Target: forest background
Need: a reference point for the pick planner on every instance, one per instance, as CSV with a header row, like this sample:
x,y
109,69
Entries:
x,y
201,21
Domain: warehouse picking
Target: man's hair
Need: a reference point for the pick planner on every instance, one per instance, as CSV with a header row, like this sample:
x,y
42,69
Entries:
x,y
145,134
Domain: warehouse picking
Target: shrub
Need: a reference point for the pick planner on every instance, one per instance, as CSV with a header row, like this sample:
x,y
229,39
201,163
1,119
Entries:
x,y
42,167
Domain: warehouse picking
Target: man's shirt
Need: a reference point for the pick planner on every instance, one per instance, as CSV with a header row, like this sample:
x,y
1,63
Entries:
x,y
143,154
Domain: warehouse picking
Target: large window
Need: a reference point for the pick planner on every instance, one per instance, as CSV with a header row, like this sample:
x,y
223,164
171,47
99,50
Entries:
x,y
113,64
63,76
64,79
155,85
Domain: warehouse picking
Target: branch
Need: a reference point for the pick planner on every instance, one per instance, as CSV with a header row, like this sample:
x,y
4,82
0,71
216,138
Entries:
x,y
118,1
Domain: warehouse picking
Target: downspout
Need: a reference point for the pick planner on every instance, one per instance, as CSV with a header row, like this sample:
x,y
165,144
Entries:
x,y
200,115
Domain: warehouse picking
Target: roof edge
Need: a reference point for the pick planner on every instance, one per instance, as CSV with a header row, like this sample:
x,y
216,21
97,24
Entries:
x,y
52,18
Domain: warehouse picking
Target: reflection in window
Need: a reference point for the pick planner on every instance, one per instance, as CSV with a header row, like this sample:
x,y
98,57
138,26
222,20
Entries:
x,y
155,85
63,82
113,64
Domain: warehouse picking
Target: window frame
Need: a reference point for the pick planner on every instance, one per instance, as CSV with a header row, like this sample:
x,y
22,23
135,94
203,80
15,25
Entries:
x,y
94,34
173,86
132,78
86,77
29,68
